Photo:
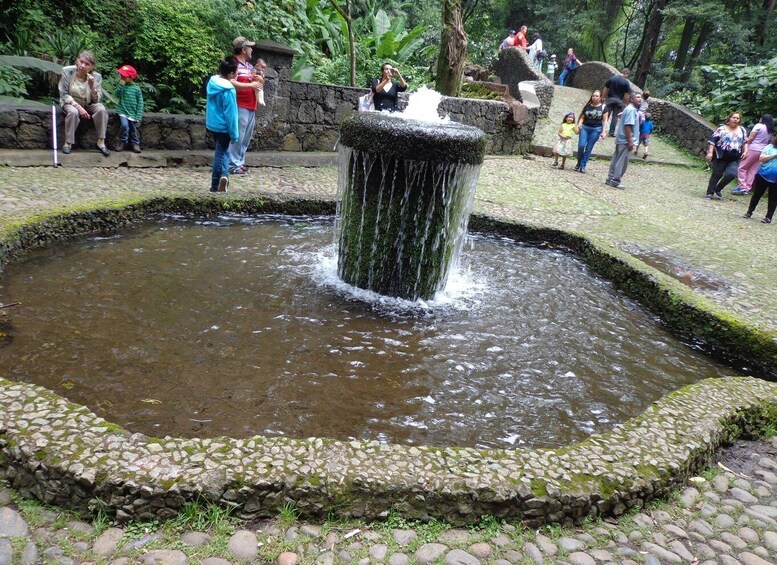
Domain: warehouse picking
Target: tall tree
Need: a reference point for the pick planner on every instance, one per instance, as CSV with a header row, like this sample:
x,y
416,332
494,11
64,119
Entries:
x,y
453,49
346,14
655,20
762,25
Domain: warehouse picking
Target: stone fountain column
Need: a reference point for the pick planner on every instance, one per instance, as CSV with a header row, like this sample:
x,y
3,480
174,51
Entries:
x,y
405,194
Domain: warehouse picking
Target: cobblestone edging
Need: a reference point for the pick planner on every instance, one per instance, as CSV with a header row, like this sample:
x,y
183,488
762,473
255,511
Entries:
x,y
61,453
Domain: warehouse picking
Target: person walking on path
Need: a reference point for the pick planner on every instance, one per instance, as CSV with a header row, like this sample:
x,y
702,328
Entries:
x,y
749,164
724,149
645,129
617,94
249,79
569,65
592,124
221,119
564,146
385,90
129,108
80,92
625,142
765,179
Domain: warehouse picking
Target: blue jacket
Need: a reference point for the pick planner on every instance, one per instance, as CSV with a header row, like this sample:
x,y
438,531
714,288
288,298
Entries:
x,y
221,109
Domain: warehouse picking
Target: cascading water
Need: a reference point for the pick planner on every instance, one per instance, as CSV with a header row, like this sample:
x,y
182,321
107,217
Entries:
x,y
406,189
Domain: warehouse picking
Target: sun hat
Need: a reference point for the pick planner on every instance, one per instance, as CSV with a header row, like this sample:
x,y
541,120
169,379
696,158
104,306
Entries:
x,y
127,71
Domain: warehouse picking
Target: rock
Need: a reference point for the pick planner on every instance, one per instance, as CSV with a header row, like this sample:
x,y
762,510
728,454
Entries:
x,y
12,525
105,545
570,544
743,496
460,557
680,549
502,540
30,554
6,552
770,540
404,537
546,545
724,521
398,559
728,560
196,539
80,527
140,542
673,530
455,536
430,552
216,561
702,527
379,551
288,558
720,483
310,530
689,497
770,511
242,545
326,558
533,552
480,550
164,556
749,535
580,558
664,555
5,497
733,541
602,555
752,559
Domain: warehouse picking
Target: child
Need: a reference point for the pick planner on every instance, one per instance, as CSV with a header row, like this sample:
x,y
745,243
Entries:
x,y
564,146
221,121
645,129
129,108
550,71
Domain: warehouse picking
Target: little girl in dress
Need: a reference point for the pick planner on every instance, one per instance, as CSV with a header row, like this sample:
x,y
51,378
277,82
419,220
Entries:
x,y
564,146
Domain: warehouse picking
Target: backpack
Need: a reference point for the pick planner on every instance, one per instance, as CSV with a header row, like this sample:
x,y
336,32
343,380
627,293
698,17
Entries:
x,y
541,55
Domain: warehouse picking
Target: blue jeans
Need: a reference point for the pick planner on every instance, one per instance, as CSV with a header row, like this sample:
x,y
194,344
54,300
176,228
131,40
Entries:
x,y
129,131
246,119
589,135
220,159
562,78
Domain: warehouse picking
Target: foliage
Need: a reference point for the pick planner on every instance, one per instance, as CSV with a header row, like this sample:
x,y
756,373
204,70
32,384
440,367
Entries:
x,y
750,89
13,82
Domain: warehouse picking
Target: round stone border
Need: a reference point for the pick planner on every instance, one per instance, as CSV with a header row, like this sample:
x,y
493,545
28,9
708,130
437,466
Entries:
x,y
61,453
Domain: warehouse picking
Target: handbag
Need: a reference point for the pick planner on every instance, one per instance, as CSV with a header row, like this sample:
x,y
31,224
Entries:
x,y
366,103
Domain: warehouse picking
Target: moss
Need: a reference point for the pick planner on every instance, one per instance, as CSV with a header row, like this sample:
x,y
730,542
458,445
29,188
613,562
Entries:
x,y
539,487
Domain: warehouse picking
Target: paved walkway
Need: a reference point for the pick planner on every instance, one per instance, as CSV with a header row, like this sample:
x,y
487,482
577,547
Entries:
x,y
729,516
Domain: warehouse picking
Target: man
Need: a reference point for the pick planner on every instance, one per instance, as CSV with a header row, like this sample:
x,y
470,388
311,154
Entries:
x,y
520,39
248,80
508,41
626,137
616,94
569,65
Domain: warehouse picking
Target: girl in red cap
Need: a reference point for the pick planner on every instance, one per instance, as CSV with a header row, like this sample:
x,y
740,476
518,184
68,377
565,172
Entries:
x,y
129,109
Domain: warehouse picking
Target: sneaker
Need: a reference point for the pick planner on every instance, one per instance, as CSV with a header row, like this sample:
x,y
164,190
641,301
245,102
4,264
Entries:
x,y
135,148
708,196
67,149
719,196
223,184
738,190
239,171
119,146
748,215
766,221
104,150
620,185
644,156
577,167
581,169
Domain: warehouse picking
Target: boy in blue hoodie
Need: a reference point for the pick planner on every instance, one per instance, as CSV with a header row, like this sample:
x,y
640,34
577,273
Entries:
x,y
221,121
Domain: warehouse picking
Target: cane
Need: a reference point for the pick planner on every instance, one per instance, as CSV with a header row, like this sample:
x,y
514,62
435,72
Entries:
x,y
54,131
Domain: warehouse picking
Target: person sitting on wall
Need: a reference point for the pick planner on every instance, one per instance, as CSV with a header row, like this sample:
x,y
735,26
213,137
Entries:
x,y
520,39
616,94
80,93
508,41
385,90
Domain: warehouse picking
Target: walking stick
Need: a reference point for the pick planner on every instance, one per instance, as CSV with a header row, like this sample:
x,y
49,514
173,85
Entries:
x,y
54,130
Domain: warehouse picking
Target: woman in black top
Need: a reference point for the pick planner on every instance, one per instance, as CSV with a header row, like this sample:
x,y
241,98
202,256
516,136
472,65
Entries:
x,y
593,127
385,90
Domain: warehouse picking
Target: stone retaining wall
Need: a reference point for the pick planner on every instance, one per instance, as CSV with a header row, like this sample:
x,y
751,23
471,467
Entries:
x,y
298,117
513,67
61,453
689,130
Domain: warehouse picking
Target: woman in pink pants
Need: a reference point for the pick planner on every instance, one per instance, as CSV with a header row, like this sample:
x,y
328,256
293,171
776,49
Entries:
x,y
748,165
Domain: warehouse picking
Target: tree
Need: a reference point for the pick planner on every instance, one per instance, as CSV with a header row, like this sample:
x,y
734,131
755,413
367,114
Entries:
x,y
652,32
453,49
346,14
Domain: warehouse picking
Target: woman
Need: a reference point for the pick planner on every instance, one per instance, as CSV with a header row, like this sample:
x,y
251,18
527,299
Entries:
x,y
765,179
748,166
569,65
724,150
534,51
80,94
593,127
385,89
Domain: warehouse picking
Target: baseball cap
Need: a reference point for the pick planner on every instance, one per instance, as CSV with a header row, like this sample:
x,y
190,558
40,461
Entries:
x,y
127,71
241,42
511,32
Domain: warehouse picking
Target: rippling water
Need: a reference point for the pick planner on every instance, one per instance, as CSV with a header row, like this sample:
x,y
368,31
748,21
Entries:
x,y
237,326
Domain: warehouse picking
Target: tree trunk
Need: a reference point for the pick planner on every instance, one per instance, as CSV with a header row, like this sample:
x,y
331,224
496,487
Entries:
x,y
346,14
704,34
763,22
652,32
685,44
453,49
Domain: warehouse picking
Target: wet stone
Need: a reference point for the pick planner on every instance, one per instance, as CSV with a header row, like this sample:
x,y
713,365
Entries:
x,y
461,557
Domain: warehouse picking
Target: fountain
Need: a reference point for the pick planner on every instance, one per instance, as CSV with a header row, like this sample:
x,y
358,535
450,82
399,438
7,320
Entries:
x,y
406,188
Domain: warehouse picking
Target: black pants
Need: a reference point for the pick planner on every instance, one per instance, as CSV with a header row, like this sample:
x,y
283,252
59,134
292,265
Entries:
x,y
760,185
614,106
723,172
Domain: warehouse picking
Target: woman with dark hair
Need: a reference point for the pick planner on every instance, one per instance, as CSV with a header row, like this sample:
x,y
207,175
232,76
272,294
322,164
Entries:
x,y
765,179
593,127
755,143
385,89
534,51
724,149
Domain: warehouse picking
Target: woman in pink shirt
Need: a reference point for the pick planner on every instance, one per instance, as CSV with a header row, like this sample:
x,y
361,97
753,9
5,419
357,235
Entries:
x,y
748,166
